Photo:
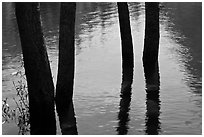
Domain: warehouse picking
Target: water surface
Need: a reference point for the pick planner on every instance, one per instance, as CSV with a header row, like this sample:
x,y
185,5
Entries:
x,y
98,73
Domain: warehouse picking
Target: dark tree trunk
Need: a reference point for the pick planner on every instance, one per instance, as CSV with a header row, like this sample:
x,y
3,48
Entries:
x,y
151,45
127,46
151,68
127,67
65,78
37,69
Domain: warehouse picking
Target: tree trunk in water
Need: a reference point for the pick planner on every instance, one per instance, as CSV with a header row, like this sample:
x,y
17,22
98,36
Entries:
x,y
127,46
65,78
151,45
151,67
127,68
37,70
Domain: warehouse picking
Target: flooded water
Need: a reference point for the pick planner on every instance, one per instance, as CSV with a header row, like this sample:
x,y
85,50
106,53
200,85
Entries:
x,y
98,73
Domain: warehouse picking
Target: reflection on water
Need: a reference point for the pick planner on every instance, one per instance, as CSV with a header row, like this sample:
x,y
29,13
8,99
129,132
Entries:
x,y
50,23
93,21
152,121
123,115
153,112
177,106
124,107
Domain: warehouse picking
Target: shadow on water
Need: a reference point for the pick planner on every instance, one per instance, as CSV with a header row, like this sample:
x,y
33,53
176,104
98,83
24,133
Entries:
x,y
50,18
189,37
10,38
153,102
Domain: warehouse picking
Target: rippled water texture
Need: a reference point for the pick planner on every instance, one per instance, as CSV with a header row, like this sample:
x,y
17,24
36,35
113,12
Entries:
x,y
98,74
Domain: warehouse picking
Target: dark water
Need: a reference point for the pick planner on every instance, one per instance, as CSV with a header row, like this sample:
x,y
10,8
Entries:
x,y
177,109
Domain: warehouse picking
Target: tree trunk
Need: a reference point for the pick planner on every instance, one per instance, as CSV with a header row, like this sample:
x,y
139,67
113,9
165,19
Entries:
x,y
37,69
127,46
151,45
151,67
127,67
65,78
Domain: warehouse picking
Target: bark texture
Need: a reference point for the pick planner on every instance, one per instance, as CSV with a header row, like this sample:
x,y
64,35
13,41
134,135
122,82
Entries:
x,y
37,69
127,46
151,45
65,78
